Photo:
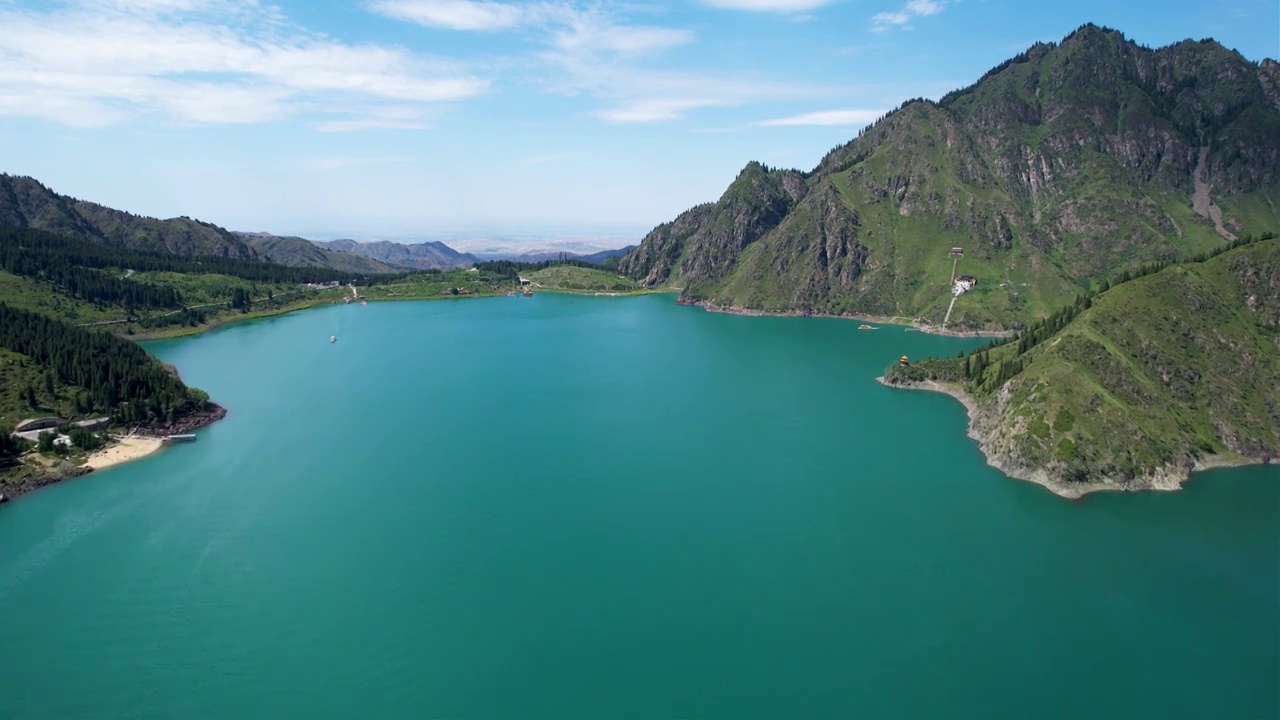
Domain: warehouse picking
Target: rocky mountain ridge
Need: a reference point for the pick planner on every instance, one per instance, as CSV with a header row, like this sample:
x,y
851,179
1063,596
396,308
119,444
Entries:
x,y
1057,169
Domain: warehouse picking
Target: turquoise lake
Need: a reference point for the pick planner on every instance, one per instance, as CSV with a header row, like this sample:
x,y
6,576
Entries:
x,y
577,507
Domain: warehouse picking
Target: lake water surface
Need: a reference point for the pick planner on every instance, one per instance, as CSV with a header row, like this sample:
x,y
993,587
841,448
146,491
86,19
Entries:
x,y
616,507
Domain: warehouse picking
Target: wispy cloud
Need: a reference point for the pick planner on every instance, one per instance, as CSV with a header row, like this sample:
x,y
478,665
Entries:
x,y
565,24
825,118
592,48
821,118
774,6
457,14
648,96
886,21
98,62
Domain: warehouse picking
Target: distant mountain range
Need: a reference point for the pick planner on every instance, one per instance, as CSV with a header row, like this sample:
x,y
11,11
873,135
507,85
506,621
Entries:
x,y
436,255
595,258
300,252
27,203
419,256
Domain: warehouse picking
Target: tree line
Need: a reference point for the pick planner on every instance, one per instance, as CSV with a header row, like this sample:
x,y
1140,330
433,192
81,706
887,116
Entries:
x,y
47,262
511,269
119,378
46,251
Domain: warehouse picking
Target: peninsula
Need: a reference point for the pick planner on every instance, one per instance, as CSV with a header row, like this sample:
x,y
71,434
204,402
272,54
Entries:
x,y
1134,387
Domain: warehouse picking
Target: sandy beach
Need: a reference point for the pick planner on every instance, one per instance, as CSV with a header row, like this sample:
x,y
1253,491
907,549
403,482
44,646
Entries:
x,y
124,450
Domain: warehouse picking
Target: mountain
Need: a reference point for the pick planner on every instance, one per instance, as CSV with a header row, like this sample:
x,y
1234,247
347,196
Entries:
x,y
300,252
422,256
26,203
600,257
1136,386
596,258
1057,169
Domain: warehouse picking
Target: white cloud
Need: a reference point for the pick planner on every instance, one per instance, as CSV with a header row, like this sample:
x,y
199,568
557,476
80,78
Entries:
x,y
456,14
826,118
590,48
639,95
567,25
647,110
885,21
98,62
587,35
778,6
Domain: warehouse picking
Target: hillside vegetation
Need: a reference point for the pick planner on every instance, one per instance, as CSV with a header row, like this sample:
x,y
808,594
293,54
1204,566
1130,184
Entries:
x,y
1058,169
1138,385
26,203
572,278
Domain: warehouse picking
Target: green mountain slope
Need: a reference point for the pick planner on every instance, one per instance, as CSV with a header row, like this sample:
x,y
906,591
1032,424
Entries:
x,y
1057,169
1152,378
300,252
25,203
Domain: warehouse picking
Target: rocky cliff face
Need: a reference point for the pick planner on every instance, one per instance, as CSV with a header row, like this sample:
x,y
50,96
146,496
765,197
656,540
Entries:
x,y
1056,169
705,242
26,203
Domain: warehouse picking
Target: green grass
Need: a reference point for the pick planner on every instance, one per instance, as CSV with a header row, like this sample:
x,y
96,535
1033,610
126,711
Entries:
x,y
41,297
1160,371
571,278
439,285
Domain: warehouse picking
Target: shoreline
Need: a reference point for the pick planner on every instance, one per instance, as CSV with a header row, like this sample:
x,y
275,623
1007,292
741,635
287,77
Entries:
x,y
596,293
138,444
907,323
902,321
1166,479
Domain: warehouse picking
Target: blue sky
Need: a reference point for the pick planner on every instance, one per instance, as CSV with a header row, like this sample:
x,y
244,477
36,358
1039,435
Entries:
x,y
452,118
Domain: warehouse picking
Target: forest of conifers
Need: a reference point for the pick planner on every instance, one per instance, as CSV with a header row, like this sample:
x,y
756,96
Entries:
x,y
118,376
37,252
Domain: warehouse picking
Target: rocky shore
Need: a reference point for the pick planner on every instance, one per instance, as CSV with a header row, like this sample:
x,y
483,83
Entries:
x,y
913,323
211,413
983,420
14,488
21,486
